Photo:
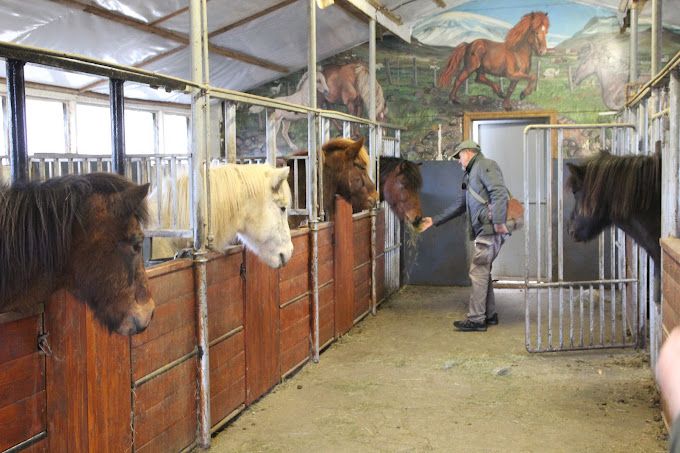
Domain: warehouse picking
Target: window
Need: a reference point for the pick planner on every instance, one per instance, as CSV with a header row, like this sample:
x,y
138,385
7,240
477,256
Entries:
x,y
175,134
139,132
94,129
45,126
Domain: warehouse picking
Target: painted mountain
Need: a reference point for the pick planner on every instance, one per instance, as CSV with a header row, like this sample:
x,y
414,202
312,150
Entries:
x,y
453,27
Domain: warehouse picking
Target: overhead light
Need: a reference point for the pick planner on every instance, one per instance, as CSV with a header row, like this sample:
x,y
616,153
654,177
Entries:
x,y
324,3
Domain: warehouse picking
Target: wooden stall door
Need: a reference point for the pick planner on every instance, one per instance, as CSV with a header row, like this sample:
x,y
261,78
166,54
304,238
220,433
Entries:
x,y
344,262
261,327
88,381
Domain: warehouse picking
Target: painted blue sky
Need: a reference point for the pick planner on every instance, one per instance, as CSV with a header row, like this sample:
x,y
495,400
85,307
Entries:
x,y
566,18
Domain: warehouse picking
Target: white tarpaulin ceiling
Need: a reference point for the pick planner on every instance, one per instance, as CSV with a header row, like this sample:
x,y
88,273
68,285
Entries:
x,y
252,41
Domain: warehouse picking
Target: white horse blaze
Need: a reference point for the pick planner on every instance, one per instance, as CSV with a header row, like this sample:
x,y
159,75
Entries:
x,y
248,202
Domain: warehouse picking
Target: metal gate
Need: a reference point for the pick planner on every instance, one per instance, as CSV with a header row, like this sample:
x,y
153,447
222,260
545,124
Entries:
x,y
577,295
390,148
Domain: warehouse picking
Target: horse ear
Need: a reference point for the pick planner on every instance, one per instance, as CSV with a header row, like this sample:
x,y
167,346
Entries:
x,y
136,194
576,170
356,147
129,200
279,175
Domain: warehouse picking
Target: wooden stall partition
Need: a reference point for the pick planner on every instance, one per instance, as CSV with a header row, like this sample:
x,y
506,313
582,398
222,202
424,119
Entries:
x,y
344,260
226,295
88,380
380,257
22,382
361,265
295,305
326,285
263,368
164,364
670,287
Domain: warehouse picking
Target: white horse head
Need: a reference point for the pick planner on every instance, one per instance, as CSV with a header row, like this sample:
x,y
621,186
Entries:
x,y
247,201
321,85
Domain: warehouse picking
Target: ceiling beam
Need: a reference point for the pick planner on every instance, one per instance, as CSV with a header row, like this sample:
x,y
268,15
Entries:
x,y
171,35
384,17
251,18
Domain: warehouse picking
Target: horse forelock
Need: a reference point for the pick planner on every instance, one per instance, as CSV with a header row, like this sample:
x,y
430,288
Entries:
x,y
530,21
621,186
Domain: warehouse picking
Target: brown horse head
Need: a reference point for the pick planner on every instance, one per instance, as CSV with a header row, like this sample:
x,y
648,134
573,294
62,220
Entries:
x,y
345,173
81,233
400,184
532,28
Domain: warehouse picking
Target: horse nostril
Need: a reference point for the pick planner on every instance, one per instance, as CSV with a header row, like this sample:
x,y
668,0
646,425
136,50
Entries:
x,y
417,221
283,259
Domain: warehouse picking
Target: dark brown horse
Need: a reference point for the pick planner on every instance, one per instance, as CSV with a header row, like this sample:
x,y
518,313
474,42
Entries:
x,y
344,173
510,59
400,184
621,190
81,233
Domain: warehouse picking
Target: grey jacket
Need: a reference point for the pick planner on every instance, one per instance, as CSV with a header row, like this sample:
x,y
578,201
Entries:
x,y
484,177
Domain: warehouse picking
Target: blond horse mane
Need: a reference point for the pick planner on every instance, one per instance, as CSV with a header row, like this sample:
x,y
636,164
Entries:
x,y
530,21
364,86
232,187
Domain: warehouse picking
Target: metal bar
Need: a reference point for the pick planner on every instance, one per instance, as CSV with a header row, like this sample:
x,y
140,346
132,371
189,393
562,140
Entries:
x,y
591,313
219,425
16,109
229,334
165,368
27,443
560,229
580,311
600,254
117,107
527,319
313,175
200,125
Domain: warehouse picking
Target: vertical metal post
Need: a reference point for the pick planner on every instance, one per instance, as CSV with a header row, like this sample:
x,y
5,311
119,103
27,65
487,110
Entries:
x,y
657,31
633,73
199,192
230,131
16,102
270,135
670,196
117,107
314,167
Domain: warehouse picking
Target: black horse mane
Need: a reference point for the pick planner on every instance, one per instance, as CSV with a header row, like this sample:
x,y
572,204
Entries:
x,y
37,221
619,186
414,180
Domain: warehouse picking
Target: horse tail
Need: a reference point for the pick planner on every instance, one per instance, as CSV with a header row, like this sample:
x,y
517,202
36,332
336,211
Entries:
x,y
452,65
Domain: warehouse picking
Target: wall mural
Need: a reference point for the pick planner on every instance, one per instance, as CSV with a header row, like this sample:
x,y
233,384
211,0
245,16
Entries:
x,y
486,56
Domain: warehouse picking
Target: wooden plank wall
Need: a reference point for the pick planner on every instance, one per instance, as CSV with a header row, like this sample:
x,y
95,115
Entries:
x,y
670,287
263,368
22,382
326,284
226,305
165,406
380,257
295,305
361,265
344,261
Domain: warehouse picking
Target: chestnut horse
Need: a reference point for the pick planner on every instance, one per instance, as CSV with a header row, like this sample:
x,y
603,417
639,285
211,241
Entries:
x,y
510,59
349,84
400,184
344,173
81,233
621,190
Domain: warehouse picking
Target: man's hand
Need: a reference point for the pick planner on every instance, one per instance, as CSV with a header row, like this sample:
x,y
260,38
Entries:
x,y
500,228
425,224
668,372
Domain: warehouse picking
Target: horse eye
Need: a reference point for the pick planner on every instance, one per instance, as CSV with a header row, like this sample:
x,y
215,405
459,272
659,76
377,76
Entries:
x,y
283,209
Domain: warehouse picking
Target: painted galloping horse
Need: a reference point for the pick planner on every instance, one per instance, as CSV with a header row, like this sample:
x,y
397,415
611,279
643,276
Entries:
x,y
349,84
510,59
81,233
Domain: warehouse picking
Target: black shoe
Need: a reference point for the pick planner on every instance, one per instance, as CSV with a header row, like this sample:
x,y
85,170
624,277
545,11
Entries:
x,y
469,326
492,321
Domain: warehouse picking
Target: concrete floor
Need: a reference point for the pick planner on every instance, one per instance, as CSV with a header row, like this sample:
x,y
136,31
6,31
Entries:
x,y
404,380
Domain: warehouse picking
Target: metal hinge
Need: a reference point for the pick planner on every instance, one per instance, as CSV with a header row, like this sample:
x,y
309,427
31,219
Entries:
x,y
43,344
242,271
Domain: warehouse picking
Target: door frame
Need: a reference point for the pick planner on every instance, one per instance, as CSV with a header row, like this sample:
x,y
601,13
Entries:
x,y
549,115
